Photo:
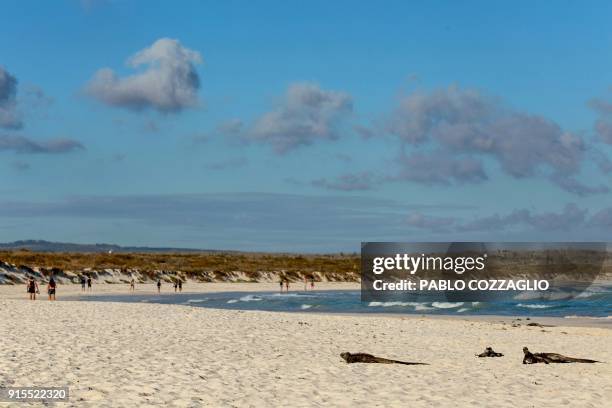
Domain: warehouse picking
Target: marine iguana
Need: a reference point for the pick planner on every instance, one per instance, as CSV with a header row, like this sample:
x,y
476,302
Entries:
x,y
546,358
368,358
489,353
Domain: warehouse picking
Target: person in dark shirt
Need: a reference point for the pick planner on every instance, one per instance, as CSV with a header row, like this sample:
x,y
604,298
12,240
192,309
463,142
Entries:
x,y
32,288
51,287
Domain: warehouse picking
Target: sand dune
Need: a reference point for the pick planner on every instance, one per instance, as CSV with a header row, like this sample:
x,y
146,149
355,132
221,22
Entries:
x,y
113,354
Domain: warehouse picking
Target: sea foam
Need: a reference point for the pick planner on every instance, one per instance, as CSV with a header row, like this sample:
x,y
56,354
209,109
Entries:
x,y
534,306
446,305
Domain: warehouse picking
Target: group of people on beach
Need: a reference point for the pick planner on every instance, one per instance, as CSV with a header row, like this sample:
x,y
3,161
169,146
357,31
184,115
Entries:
x,y
33,290
284,284
32,286
86,283
178,285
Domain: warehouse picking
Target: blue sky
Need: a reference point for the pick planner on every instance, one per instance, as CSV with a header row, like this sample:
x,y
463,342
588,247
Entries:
x,y
304,126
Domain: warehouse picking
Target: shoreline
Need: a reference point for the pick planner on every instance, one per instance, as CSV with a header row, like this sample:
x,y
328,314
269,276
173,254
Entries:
x,y
68,292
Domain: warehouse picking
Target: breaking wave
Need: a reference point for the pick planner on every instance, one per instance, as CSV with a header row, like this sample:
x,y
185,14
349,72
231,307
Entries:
x,y
534,306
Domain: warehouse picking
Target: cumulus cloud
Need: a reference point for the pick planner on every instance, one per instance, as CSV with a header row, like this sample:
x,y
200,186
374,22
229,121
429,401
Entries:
x,y
465,124
24,145
306,114
169,82
420,115
9,117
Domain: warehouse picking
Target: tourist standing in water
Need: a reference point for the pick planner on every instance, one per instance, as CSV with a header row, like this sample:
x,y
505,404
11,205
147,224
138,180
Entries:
x,y
51,286
32,288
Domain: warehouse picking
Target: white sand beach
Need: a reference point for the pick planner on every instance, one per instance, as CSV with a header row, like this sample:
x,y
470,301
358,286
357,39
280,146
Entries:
x,y
126,355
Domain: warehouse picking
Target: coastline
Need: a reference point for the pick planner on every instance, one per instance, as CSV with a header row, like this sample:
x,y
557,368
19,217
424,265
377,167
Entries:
x,y
131,354
71,292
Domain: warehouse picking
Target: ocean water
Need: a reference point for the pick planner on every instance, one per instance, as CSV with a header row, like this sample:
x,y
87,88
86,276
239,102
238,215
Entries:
x,y
596,301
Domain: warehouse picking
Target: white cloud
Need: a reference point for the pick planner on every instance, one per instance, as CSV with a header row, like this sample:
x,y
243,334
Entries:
x,y
306,114
464,125
169,82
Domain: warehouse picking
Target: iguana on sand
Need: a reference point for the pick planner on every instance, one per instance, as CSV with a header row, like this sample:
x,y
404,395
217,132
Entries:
x,y
489,353
368,358
547,358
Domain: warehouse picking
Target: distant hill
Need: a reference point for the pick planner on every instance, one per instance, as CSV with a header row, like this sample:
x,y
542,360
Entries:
x,y
47,246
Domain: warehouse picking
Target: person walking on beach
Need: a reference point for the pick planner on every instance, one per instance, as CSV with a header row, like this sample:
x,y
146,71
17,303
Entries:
x,y
158,285
89,283
51,286
83,282
312,284
180,283
132,285
175,286
32,288
287,285
281,285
